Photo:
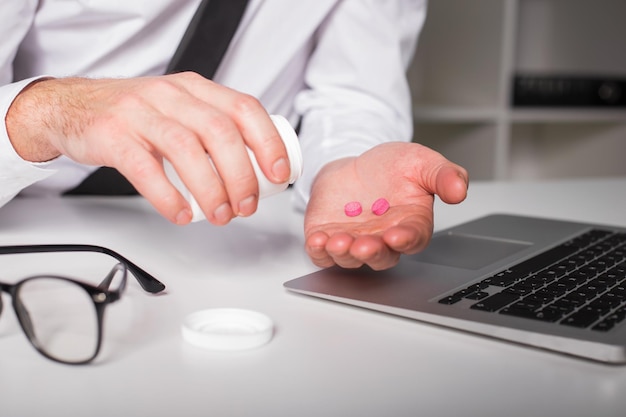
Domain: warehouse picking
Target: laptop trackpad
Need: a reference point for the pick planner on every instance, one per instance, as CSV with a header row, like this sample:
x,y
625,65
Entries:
x,y
466,251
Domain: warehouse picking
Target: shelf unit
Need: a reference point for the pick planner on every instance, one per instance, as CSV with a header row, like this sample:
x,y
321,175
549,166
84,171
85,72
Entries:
x,y
462,74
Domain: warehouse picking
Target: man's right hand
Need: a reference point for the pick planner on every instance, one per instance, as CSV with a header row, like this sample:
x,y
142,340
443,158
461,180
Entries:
x,y
132,124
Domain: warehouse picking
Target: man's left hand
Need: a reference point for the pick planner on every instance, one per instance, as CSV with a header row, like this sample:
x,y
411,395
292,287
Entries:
x,y
408,176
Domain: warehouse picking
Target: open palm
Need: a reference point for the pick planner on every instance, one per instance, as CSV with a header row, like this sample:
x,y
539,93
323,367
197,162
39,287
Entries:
x,y
408,175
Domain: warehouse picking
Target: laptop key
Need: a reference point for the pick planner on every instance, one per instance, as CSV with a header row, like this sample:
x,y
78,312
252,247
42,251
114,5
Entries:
x,y
582,318
528,303
477,295
604,325
549,315
451,299
496,301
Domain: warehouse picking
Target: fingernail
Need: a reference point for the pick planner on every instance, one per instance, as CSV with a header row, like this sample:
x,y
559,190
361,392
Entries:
x,y
464,179
247,206
223,213
184,216
280,170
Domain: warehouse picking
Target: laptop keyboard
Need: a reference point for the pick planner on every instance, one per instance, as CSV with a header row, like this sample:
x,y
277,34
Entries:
x,y
580,283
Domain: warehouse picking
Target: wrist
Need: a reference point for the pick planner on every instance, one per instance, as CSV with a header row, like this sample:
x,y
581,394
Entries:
x,y
26,124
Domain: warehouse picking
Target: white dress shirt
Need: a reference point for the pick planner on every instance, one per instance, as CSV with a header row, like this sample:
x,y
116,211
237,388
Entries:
x,y
336,65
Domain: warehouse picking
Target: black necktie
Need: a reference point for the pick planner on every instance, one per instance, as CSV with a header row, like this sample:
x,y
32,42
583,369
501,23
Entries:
x,y
201,50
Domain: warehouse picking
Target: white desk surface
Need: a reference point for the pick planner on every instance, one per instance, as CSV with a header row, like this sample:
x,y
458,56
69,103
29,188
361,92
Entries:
x,y
325,359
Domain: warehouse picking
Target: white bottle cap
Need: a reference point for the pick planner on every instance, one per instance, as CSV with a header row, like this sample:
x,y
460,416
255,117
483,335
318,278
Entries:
x,y
266,187
227,329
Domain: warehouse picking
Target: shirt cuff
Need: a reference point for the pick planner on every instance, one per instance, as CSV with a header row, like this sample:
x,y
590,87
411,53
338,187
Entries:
x,y
15,172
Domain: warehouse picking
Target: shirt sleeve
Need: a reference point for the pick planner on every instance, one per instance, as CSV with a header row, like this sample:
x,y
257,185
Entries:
x,y
357,95
15,173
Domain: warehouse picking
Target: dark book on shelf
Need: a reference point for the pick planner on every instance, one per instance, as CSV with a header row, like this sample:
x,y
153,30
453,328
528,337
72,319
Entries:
x,y
532,90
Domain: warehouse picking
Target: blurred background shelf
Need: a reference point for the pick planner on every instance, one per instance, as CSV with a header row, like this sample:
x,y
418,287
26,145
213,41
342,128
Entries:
x,y
462,79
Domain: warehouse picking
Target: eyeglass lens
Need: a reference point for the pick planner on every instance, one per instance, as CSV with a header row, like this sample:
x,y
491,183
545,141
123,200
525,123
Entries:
x,y
59,317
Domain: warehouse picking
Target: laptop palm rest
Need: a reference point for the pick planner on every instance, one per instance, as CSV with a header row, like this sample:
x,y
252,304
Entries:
x,y
467,251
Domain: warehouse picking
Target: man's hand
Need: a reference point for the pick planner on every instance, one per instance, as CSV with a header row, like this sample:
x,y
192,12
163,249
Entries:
x,y
408,175
132,124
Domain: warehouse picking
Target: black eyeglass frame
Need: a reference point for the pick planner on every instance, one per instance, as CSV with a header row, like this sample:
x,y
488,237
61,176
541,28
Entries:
x,y
100,294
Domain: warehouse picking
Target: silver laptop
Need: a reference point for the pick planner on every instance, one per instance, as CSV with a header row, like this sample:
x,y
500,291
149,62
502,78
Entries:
x,y
546,283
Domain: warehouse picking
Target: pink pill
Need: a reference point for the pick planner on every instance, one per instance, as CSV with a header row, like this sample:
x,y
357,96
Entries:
x,y
353,208
380,206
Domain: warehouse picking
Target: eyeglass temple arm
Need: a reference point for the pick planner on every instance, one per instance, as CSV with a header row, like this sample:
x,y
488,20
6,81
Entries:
x,y
146,280
106,282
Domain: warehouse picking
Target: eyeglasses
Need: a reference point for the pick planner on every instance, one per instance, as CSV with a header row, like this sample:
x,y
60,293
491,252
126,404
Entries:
x,y
62,317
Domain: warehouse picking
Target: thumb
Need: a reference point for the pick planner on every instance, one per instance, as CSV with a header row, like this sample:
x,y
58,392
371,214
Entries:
x,y
452,183
449,181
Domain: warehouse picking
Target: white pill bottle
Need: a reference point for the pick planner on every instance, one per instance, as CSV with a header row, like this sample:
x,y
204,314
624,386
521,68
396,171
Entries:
x,y
266,187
